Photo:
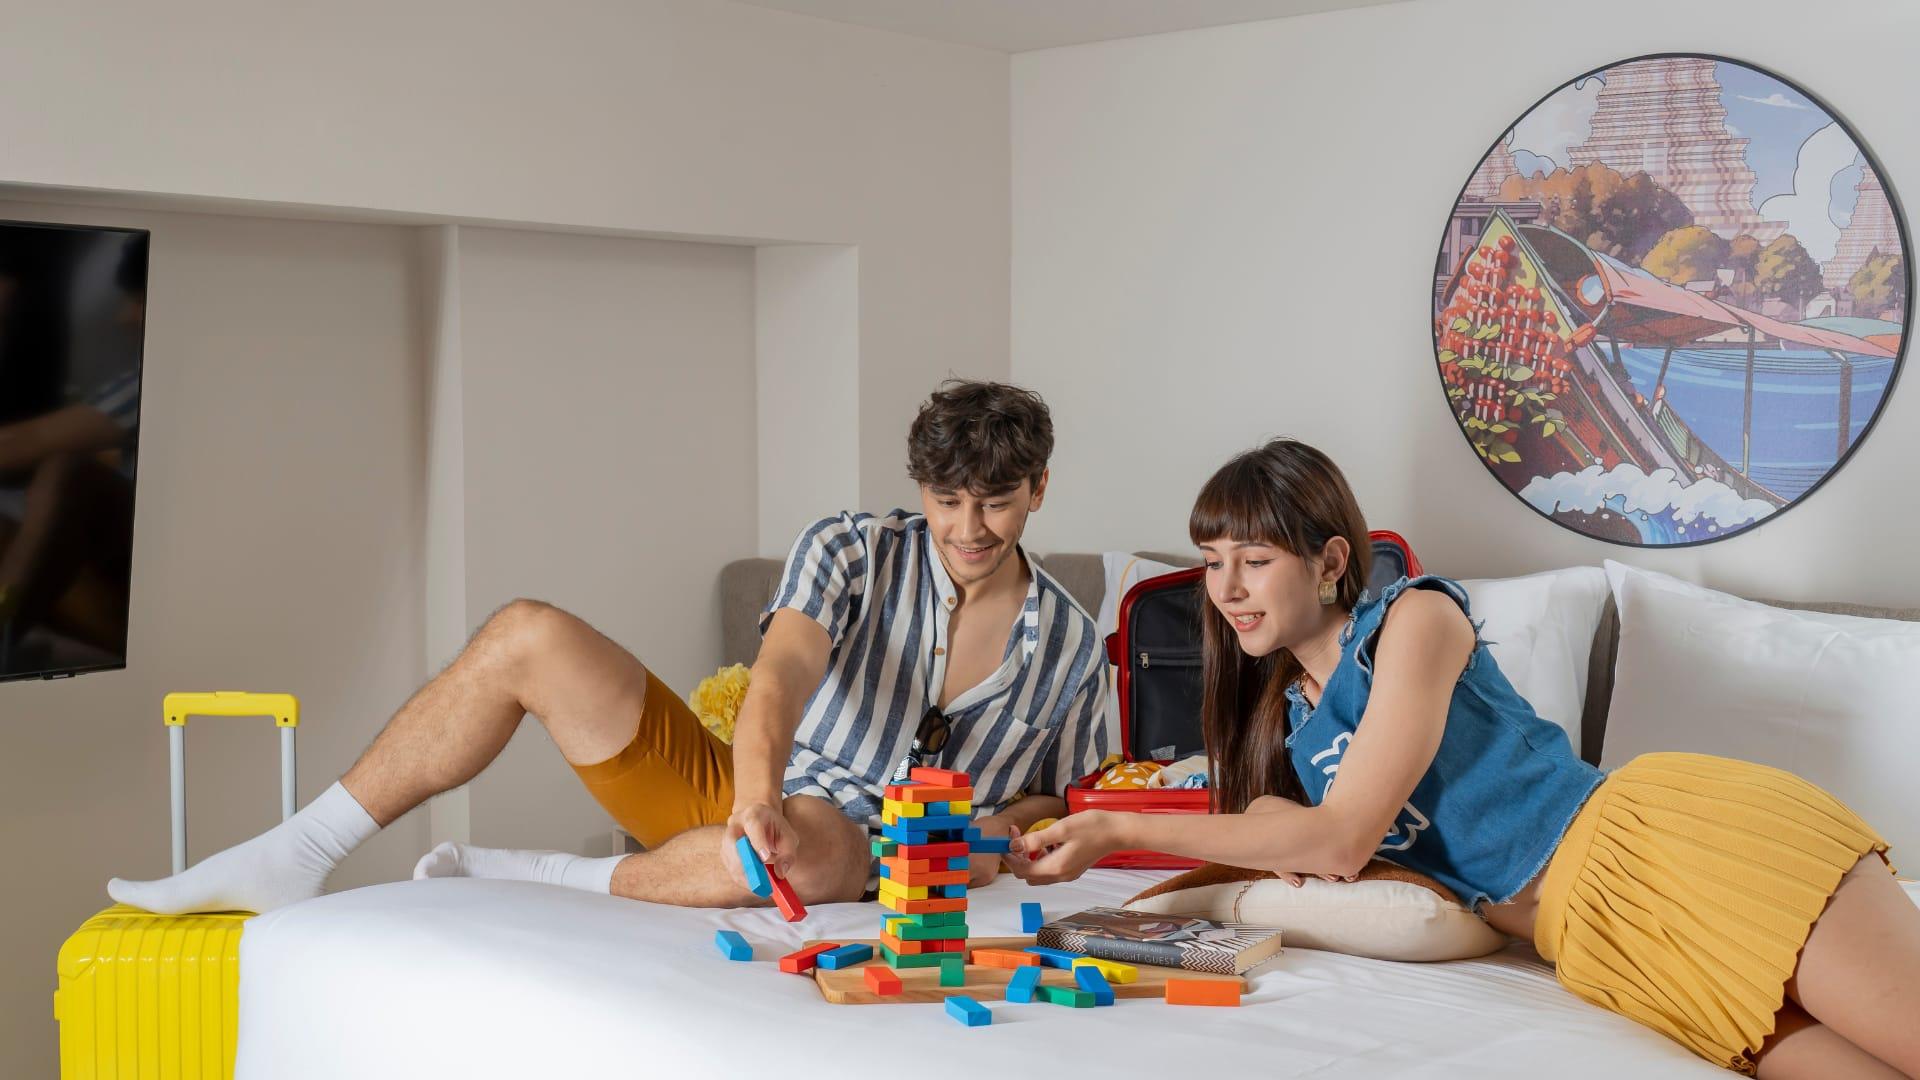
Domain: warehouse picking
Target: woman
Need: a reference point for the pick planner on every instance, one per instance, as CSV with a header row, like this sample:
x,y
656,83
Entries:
x,y
1738,909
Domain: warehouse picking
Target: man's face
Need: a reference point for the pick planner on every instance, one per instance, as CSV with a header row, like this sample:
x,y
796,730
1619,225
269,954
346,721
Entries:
x,y
976,533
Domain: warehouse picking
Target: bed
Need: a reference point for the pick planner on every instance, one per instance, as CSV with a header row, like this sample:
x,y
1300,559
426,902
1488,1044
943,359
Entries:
x,y
481,978
472,978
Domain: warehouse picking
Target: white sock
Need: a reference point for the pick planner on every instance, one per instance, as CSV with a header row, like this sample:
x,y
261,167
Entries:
x,y
547,867
287,863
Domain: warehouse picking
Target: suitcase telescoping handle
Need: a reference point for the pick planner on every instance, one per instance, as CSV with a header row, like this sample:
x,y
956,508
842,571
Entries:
x,y
284,709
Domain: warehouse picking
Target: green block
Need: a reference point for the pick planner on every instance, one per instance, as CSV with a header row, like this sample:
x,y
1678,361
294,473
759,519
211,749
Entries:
x,y
884,849
907,931
938,918
895,960
952,973
1065,995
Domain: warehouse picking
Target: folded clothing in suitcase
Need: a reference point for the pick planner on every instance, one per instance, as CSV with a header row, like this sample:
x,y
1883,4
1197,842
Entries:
x,y
156,997
1157,650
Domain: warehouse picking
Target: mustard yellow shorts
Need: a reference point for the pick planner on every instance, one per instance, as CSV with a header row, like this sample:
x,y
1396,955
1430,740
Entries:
x,y
674,775
1683,891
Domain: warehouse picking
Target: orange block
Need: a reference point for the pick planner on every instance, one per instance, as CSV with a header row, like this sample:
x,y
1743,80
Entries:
x,y
882,981
914,948
927,793
929,877
1005,958
1197,992
899,867
923,907
943,777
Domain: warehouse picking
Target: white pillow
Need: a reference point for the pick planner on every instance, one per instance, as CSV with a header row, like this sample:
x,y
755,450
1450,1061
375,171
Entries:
x,y
1831,698
1540,631
1386,920
1124,571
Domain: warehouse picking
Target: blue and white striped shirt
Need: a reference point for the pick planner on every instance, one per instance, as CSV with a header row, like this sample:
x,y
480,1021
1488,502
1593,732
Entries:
x,y
879,588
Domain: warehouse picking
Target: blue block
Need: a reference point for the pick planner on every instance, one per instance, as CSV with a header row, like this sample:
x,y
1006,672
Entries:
x,y
885,870
991,845
937,809
757,879
948,892
1055,958
973,835
1030,918
1094,983
1021,988
958,862
904,835
732,945
931,823
968,1011
844,956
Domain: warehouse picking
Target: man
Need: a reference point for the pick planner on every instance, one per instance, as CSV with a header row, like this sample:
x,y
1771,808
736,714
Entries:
x,y
928,637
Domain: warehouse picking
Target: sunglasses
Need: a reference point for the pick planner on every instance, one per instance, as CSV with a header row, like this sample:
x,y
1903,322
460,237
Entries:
x,y
928,741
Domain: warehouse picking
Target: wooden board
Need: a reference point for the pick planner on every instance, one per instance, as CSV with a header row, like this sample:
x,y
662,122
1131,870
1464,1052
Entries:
x,y
848,986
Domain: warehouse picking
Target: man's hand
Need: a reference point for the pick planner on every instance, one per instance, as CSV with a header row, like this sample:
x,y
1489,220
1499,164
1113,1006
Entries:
x,y
982,868
767,829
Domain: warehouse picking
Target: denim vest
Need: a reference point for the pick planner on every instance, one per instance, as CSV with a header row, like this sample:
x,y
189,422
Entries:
x,y
1502,788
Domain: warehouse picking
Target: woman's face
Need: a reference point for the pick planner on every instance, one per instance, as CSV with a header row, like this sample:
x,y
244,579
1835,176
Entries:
x,y
1270,597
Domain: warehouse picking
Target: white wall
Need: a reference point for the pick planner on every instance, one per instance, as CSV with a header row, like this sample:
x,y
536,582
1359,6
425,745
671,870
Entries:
x,y
688,119
697,118
1229,234
276,547
609,467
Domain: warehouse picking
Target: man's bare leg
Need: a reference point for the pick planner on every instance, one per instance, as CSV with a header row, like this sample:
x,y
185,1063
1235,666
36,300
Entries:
x,y
529,657
690,869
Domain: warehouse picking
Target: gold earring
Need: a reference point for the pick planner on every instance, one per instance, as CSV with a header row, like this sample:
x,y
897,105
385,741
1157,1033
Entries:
x,y
1326,593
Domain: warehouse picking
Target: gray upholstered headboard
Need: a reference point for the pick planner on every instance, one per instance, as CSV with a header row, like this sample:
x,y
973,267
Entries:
x,y
746,585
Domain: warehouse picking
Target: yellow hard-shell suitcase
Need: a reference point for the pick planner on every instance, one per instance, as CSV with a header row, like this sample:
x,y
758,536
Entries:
x,y
156,997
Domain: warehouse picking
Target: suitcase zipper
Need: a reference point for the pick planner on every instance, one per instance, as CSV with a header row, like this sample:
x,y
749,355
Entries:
x,y
1175,658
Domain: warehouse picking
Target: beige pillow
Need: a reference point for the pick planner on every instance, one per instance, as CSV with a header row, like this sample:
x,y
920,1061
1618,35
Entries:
x,y
1389,913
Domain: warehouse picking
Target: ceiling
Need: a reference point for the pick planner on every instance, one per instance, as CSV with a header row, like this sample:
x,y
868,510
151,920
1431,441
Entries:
x,y
1019,25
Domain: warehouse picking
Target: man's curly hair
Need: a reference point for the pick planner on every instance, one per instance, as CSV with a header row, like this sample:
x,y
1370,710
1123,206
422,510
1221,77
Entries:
x,y
980,437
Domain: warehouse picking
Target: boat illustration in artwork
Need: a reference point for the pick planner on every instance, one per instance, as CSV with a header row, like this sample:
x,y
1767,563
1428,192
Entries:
x,y
1670,301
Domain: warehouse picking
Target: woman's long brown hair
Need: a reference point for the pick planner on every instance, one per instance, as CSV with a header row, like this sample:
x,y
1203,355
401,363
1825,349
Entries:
x,y
1292,496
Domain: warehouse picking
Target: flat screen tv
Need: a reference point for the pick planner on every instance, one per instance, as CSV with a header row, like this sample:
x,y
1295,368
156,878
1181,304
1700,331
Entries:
x,y
73,304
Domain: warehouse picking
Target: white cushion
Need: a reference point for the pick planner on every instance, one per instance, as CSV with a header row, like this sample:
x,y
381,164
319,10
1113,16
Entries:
x,y
1540,631
1834,699
1386,920
1123,570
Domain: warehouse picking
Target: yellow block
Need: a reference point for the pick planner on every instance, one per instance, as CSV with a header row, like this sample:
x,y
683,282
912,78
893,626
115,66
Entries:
x,y
902,809
144,995
1114,971
905,892
961,807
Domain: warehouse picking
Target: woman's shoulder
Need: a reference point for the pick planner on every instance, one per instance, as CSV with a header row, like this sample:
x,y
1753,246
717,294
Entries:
x,y
1428,607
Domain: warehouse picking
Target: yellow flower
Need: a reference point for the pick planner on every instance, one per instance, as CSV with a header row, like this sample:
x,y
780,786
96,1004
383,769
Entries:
x,y
716,701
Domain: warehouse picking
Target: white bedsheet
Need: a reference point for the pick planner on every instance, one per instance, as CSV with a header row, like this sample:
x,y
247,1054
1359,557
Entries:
x,y
464,978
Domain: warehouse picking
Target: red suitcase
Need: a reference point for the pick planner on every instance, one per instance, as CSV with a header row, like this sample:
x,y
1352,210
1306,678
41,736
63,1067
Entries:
x,y
1157,650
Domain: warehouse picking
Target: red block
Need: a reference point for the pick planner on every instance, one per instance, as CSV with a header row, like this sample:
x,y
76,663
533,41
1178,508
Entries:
x,y
940,777
882,981
799,963
787,900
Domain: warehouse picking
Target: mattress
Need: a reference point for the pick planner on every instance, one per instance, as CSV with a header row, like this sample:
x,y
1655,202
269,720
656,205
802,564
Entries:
x,y
456,977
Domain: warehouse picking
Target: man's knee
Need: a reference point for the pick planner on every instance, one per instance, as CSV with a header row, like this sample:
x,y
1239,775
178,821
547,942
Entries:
x,y
525,628
833,861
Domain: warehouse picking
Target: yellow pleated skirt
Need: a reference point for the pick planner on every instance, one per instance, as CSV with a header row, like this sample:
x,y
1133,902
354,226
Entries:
x,y
1684,889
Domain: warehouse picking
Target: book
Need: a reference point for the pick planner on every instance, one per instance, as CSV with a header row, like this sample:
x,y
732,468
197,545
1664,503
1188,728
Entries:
x,y
1176,941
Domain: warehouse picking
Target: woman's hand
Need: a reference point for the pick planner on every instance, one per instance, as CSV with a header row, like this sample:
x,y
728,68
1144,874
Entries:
x,y
1065,849
981,869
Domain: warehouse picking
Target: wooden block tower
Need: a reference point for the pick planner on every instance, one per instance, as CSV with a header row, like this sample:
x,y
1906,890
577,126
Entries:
x,y
925,841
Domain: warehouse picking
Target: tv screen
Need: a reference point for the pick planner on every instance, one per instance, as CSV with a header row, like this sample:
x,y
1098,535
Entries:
x,y
73,303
